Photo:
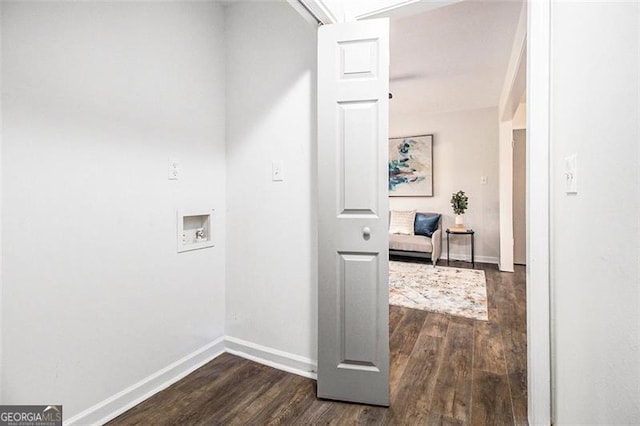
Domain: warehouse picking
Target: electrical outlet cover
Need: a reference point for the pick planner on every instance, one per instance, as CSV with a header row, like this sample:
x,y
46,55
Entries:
x,y
173,169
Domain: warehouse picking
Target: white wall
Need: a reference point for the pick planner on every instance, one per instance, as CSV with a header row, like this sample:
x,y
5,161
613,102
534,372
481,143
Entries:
x,y
271,237
520,117
97,96
465,147
355,10
595,234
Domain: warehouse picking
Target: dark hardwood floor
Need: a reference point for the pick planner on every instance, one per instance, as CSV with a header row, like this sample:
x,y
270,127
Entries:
x,y
445,370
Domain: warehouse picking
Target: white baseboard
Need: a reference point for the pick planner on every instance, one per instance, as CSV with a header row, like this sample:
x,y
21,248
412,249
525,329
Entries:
x,y
117,404
112,407
467,258
272,357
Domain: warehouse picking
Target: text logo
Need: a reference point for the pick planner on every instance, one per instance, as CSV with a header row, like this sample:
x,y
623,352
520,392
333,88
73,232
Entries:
x,y
30,415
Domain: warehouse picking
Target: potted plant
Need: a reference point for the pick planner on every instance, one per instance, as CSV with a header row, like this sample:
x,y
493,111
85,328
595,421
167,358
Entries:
x,y
459,202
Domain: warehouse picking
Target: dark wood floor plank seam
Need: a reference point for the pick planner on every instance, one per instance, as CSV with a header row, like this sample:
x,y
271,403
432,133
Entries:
x,y
453,389
440,361
403,340
259,403
506,371
492,406
417,391
473,363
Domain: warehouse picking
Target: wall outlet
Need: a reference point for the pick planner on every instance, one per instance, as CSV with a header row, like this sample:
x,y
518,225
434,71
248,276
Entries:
x,y
174,169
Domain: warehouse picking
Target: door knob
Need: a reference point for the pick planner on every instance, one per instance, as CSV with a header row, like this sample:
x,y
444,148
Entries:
x,y
366,232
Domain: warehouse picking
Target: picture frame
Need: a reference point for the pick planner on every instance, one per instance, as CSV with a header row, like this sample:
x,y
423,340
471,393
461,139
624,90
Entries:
x,y
411,166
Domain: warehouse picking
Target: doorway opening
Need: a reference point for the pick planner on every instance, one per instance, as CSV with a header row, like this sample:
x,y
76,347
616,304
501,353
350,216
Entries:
x,y
447,75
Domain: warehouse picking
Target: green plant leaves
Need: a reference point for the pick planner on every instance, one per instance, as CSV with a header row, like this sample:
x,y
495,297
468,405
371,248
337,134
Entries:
x,y
459,202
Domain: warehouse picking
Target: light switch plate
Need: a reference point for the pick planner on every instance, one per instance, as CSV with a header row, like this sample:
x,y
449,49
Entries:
x,y
276,171
483,180
571,174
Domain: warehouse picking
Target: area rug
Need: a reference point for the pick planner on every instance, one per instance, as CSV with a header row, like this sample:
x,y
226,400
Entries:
x,y
453,291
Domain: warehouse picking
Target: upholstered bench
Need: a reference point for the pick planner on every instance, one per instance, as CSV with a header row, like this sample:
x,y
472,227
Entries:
x,y
415,234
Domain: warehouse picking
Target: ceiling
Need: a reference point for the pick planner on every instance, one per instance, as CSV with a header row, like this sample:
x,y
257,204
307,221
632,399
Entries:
x,y
452,58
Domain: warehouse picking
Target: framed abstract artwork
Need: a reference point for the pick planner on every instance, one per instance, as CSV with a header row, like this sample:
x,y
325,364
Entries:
x,y
411,166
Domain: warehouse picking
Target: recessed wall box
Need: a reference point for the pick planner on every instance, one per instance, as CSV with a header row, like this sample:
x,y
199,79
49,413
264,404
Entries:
x,y
195,229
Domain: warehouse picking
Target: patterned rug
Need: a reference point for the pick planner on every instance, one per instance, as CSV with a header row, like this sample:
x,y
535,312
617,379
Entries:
x,y
453,291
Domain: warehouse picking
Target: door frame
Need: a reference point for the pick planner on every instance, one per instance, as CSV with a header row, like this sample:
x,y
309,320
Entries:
x,y
538,194
538,225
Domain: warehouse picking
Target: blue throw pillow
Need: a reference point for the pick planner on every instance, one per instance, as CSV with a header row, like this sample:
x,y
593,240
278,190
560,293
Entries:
x,y
426,224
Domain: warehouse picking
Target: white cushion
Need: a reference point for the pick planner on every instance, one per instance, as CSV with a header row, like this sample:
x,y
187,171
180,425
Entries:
x,y
418,243
402,222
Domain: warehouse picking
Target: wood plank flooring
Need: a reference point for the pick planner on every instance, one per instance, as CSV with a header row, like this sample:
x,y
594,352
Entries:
x,y
445,370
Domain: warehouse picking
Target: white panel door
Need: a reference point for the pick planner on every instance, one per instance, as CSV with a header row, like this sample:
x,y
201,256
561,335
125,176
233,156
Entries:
x,y
353,294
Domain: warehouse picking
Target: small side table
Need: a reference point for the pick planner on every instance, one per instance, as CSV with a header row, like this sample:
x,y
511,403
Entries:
x,y
467,232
